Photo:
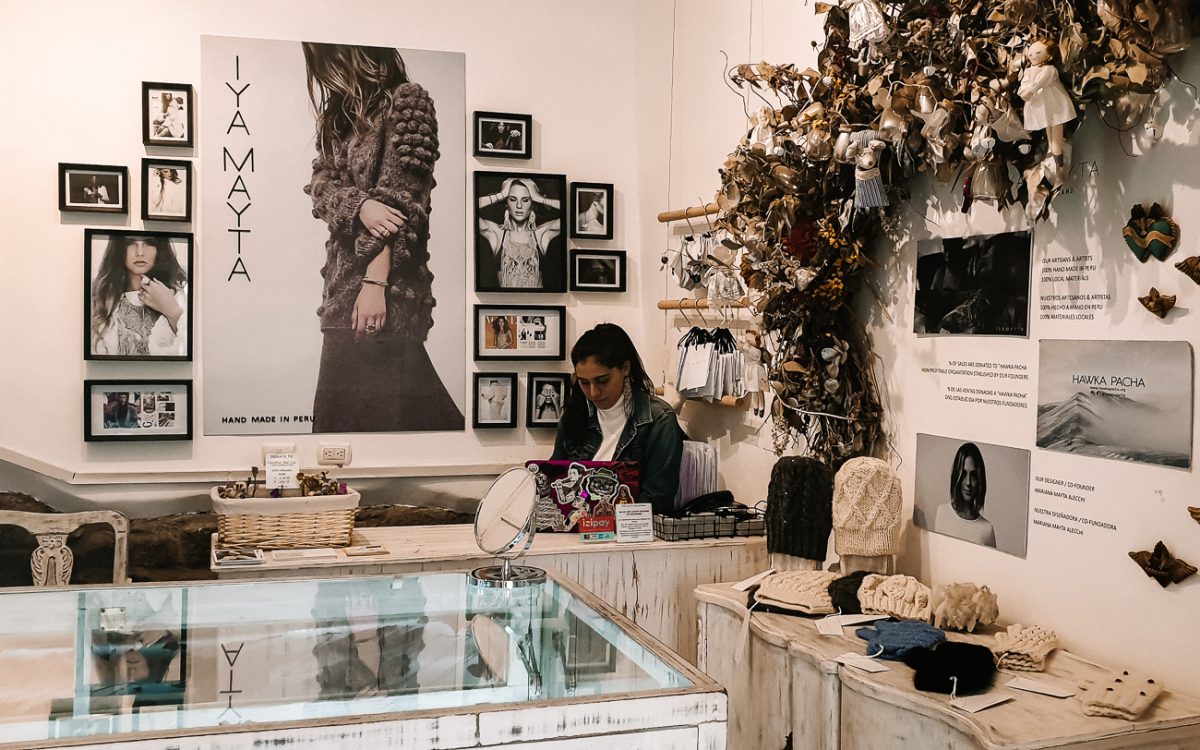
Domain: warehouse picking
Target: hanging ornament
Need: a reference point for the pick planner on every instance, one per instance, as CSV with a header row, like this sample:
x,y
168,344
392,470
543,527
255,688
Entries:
x,y
1150,233
1190,267
1159,304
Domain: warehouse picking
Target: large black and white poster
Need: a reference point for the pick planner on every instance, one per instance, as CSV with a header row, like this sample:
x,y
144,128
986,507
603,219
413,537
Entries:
x,y
1124,400
974,491
974,285
332,237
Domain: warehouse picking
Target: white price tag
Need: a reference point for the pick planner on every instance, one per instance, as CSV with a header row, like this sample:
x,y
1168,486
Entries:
x,y
858,661
829,626
1036,686
282,469
635,522
976,703
747,583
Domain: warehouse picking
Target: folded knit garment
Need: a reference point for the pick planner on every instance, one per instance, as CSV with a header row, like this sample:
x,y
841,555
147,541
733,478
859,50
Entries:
x,y
962,606
844,593
892,640
896,596
1024,649
1121,695
804,591
952,667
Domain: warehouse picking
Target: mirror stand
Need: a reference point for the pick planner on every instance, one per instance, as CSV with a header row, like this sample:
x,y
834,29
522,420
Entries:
x,y
506,575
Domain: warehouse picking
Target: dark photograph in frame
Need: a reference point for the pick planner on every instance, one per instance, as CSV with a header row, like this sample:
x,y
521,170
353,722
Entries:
x,y
598,270
137,410
495,397
166,190
501,135
520,332
975,285
95,188
591,211
136,644
519,241
137,295
545,395
167,114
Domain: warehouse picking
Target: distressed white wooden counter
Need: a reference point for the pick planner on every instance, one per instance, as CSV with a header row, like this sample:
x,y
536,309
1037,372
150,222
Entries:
x,y
787,683
651,583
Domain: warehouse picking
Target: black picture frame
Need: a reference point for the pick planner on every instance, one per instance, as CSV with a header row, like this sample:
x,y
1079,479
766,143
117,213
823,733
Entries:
x,y
584,197
503,403
520,332
521,265
503,135
93,188
106,343
157,410
598,270
537,411
168,114
167,190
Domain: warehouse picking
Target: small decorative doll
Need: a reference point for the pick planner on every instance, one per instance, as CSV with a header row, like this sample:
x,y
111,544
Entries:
x,y
753,371
865,148
1048,106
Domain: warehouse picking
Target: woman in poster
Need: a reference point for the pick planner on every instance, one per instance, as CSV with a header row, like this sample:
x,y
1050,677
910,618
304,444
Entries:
x,y
139,299
371,184
518,243
547,403
168,194
962,517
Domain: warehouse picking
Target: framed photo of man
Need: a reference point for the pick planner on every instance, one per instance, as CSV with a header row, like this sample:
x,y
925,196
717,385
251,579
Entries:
x,y
167,114
95,188
598,270
530,332
166,190
137,289
519,242
503,136
495,400
137,410
591,211
545,396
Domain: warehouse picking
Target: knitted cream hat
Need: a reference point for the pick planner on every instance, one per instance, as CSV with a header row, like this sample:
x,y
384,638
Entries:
x,y
866,508
896,596
1024,649
1121,696
804,591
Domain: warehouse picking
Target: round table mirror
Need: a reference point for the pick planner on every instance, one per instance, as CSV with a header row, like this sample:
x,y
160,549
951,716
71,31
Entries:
x,y
504,526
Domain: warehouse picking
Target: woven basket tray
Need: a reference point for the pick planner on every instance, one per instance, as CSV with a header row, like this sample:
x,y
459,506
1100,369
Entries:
x,y
288,522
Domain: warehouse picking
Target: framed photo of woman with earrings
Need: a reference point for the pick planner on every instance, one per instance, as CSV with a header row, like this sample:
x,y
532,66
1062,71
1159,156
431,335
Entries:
x,y
520,220
137,295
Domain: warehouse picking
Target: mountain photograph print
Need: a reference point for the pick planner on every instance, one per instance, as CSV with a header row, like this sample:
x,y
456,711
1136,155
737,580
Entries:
x,y
1122,400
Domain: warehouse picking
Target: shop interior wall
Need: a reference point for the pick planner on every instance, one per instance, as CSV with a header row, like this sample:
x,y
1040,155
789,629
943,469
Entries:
x,y
1077,579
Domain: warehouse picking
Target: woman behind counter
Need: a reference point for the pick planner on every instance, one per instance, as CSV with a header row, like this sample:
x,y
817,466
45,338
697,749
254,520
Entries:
x,y
612,414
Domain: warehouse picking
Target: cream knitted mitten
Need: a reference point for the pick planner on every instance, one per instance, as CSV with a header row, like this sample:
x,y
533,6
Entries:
x,y
1024,648
1121,696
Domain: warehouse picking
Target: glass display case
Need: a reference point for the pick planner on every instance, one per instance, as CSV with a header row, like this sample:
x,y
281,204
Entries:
x,y
260,660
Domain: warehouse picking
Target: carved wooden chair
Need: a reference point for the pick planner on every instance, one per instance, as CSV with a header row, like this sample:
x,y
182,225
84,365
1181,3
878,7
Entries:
x,y
52,560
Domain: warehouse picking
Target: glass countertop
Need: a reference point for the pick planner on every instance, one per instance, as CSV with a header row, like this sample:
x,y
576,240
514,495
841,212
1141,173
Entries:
x,y
119,662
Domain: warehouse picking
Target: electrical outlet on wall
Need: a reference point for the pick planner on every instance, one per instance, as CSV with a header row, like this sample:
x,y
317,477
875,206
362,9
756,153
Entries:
x,y
334,454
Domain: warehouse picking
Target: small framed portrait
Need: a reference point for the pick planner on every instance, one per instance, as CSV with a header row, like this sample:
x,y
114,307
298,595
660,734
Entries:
x,y
545,396
591,211
495,400
137,410
519,241
167,114
137,295
597,270
166,190
503,136
96,188
530,332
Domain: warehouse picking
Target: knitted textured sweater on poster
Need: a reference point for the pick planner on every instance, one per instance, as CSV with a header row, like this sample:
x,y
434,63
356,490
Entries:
x,y
392,162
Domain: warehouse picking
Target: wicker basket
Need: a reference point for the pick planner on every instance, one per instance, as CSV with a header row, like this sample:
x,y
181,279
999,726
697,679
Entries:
x,y
288,522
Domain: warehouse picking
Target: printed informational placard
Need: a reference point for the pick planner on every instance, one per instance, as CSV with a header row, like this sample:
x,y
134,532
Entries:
x,y
282,469
635,522
597,528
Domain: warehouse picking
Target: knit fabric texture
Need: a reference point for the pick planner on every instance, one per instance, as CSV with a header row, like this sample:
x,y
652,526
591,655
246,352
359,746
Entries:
x,y
1024,649
804,591
843,592
892,640
800,508
896,596
866,508
1121,696
952,667
962,606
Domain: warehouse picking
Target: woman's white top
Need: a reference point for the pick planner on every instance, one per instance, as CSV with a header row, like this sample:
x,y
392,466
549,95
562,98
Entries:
x,y
978,531
612,424
161,342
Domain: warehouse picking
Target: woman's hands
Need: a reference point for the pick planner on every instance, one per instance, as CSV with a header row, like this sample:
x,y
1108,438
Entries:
x,y
370,308
380,219
158,296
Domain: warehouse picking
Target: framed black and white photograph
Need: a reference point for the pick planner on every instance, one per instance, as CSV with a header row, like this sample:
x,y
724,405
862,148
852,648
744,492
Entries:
x,y
137,295
166,190
597,270
974,491
1120,400
495,396
591,211
545,396
529,332
519,242
137,410
974,285
167,114
135,643
501,135
96,188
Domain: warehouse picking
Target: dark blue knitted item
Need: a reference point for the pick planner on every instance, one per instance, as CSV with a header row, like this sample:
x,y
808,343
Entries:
x,y
898,638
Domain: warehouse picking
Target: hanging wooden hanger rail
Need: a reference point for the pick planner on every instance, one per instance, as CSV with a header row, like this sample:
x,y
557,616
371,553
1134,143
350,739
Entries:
x,y
692,212
723,401
696,304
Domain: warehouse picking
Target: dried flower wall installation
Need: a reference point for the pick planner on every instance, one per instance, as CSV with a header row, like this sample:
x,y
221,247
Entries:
x,y
985,95
1162,566
1159,304
1150,233
1190,267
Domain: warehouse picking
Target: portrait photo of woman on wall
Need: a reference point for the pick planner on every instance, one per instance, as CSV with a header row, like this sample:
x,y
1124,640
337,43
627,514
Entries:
x,y
519,245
